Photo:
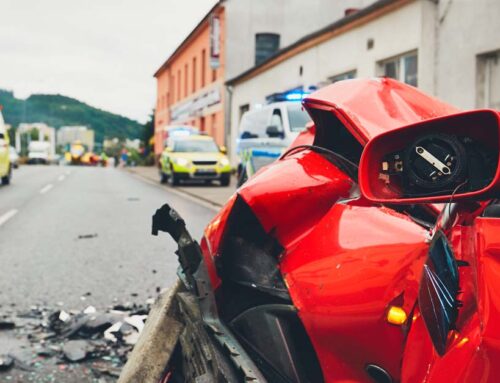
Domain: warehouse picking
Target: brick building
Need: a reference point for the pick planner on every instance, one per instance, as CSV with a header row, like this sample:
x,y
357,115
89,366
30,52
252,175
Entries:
x,y
233,36
190,85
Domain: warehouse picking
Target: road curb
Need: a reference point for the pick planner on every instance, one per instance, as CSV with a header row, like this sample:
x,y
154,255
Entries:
x,y
176,190
147,361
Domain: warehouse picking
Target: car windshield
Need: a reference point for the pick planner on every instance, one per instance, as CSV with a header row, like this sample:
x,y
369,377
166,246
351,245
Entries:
x,y
297,117
203,146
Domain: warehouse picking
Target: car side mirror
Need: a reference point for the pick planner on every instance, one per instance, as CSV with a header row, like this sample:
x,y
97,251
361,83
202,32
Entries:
x,y
223,149
274,132
455,157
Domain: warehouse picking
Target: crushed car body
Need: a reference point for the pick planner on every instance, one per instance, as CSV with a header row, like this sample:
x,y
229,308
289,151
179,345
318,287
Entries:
x,y
367,252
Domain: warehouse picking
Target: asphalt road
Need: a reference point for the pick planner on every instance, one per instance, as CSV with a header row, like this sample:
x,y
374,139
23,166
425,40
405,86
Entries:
x,y
73,232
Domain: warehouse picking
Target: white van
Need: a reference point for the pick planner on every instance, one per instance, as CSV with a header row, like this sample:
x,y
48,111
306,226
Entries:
x,y
265,132
38,152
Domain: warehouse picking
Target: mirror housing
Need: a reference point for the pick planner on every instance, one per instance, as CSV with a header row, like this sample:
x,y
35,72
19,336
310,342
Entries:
x,y
223,149
273,131
455,157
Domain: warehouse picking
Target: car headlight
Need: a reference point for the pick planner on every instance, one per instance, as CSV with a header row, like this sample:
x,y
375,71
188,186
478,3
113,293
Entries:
x,y
224,161
181,161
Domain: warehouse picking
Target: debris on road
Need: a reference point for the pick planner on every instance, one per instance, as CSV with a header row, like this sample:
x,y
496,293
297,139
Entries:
x,y
76,350
7,325
87,236
58,341
6,362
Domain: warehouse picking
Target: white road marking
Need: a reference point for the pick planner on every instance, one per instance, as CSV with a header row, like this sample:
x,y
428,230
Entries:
x,y
4,218
61,178
46,188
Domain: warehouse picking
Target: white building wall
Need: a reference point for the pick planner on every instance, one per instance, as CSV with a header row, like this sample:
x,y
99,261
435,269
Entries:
x,y
291,19
393,34
427,47
467,28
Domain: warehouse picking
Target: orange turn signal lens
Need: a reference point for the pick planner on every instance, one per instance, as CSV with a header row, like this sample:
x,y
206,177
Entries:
x,y
396,315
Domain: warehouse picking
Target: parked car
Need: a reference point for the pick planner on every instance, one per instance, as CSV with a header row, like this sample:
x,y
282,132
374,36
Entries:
x,y
5,165
265,132
368,253
14,157
194,157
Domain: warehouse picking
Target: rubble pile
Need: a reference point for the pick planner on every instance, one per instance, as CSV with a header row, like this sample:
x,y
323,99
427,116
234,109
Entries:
x,y
98,342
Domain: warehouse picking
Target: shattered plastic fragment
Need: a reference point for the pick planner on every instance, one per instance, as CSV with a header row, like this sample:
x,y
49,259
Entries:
x,y
6,362
108,334
131,338
64,316
137,321
76,350
87,236
7,325
89,310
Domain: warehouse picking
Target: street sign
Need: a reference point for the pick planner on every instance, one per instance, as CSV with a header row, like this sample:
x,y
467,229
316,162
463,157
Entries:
x,y
214,41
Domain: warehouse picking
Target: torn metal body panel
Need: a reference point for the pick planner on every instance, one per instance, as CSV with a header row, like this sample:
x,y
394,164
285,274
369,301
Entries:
x,y
195,277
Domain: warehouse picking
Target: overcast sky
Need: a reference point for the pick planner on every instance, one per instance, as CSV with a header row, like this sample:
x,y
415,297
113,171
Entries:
x,y
102,52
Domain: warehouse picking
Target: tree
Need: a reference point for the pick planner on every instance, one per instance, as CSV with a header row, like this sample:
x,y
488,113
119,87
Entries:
x,y
148,132
34,134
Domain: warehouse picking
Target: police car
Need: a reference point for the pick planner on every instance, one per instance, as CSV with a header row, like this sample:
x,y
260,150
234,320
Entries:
x,y
264,133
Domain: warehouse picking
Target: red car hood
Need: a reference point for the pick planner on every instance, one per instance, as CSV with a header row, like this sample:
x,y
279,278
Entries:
x,y
369,107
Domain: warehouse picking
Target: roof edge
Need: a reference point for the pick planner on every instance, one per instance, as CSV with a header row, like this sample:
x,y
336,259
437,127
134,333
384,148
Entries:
x,y
188,37
301,44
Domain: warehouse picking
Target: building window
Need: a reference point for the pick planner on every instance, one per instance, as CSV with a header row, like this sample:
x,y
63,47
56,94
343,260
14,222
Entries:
x,y
193,81
403,68
186,80
172,87
488,80
178,85
343,76
214,124
203,66
277,120
266,45
202,124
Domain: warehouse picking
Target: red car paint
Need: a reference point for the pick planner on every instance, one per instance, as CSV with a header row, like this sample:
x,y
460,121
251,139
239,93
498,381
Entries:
x,y
347,260
342,278
371,107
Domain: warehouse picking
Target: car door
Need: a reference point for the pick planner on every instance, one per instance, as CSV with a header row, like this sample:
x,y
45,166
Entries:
x,y
253,129
165,156
4,149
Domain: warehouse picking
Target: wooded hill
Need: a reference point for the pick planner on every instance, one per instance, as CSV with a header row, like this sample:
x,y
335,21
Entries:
x,y
57,111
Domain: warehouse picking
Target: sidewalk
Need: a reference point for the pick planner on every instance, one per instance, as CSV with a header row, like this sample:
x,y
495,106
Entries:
x,y
213,194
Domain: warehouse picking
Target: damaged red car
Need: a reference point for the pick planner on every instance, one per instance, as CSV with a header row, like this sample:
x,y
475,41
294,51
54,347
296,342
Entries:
x,y
369,252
